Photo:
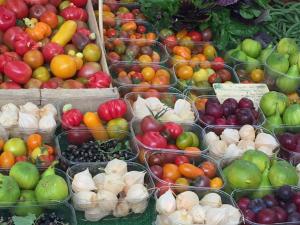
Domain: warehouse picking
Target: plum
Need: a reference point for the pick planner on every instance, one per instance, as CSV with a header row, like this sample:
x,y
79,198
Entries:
x,y
245,103
270,200
210,120
232,120
284,193
243,203
296,198
245,116
290,208
288,141
229,106
257,205
294,217
266,216
281,214
249,215
214,109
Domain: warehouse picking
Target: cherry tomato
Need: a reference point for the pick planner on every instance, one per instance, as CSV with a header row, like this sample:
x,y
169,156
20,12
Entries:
x,y
156,159
141,29
187,139
192,152
7,160
190,171
50,149
171,171
218,63
157,171
34,141
224,74
209,169
182,182
180,159
148,73
163,73
185,72
145,59
34,58
216,183
195,36
22,158
257,75
214,78
49,18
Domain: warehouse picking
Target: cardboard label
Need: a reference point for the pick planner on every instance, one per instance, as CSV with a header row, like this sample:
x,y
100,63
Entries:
x,y
238,91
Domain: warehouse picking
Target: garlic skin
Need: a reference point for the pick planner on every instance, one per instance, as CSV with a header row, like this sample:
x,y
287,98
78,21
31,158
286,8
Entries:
x,y
211,199
267,140
28,121
47,123
83,181
154,104
181,217
99,180
30,108
230,136
10,107
187,200
134,177
48,109
210,138
95,214
139,207
218,149
140,108
198,214
84,200
215,216
233,215
266,149
166,203
8,119
162,220
122,209
107,201
113,183
117,167
246,145
247,132
137,193
233,152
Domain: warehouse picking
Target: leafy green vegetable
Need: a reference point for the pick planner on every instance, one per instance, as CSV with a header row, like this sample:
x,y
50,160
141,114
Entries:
x,y
26,220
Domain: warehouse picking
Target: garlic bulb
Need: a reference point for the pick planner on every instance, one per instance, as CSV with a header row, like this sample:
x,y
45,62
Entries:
x,y
122,209
210,138
107,201
28,121
137,193
134,177
154,104
140,108
264,139
139,207
47,123
117,167
162,220
30,108
233,215
170,115
48,109
184,110
246,145
187,200
166,203
10,107
198,214
83,181
84,200
211,199
218,149
8,119
95,214
233,152
266,149
215,216
181,217
247,132
99,180
113,183
230,136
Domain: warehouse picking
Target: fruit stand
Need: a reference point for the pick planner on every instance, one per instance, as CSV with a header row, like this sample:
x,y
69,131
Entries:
x,y
149,112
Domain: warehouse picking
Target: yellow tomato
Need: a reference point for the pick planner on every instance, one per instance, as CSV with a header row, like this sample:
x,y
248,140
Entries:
x,y
179,61
210,52
63,66
163,73
185,72
145,59
257,75
148,73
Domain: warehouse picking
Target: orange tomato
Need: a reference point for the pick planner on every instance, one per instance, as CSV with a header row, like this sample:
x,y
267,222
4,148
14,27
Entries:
x,y
201,57
181,34
148,73
183,52
49,18
205,65
129,26
7,160
190,171
257,75
185,72
171,171
216,183
122,74
210,52
163,73
79,62
34,58
160,80
209,169
195,61
34,141
193,151
2,142
150,36
63,66
50,149
178,61
106,8
155,57
144,59
200,103
141,87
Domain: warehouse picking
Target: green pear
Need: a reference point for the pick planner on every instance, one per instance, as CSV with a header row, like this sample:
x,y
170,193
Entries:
x,y
264,187
289,83
27,204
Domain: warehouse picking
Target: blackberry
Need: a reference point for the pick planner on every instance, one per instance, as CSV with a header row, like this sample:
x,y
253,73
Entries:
x,y
50,219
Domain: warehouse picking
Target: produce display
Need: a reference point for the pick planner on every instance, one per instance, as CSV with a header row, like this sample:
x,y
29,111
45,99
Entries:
x,y
180,171
118,190
188,208
275,206
164,106
233,142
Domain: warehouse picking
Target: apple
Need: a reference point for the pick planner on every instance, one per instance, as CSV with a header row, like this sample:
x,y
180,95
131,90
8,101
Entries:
x,y
16,146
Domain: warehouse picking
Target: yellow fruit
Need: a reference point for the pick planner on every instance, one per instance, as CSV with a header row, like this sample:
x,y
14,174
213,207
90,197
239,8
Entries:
x,y
200,75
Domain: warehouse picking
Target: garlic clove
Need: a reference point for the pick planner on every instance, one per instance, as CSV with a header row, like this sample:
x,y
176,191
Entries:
x,y
83,181
84,200
137,193
211,199
116,166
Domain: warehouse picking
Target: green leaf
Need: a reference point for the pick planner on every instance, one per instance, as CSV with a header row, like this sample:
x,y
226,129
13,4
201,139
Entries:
x,y
27,220
262,3
246,14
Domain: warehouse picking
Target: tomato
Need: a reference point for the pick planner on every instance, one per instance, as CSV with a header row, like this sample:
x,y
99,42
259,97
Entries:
x,y
190,171
182,182
148,73
38,152
209,169
166,33
195,36
41,73
92,52
144,59
163,73
19,7
173,129
164,185
141,29
170,41
171,171
187,42
112,109
185,72
63,66
34,58
7,160
45,160
111,33
49,18
18,71
218,63
160,81
180,159
192,152
136,77
257,75
22,158
214,78
224,74
156,159
216,183
50,149
187,139
157,171
210,52
34,141
200,103
154,139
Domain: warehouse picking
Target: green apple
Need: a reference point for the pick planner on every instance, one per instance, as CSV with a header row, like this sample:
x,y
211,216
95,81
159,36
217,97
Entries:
x,y
16,146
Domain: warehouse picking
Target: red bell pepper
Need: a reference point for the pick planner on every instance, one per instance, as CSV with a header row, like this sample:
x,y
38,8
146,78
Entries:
x,y
99,80
74,13
7,18
7,57
112,109
71,118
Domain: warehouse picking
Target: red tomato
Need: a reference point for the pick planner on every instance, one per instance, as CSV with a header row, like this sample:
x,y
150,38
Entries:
x,y
79,3
214,78
195,36
22,158
19,7
173,129
112,109
162,186
180,159
154,139
170,41
218,63
49,18
111,33
18,71
141,29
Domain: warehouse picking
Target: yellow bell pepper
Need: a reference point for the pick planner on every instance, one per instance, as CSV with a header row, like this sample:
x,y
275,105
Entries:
x,y
65,33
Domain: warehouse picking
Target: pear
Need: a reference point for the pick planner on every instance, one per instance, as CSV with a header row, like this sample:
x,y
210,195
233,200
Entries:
x,y
264,187
289,83
273,121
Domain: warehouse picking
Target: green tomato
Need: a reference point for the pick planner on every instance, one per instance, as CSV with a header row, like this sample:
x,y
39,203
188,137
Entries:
x,y
41,73
117,128
251,47
164,33
187,139
16,146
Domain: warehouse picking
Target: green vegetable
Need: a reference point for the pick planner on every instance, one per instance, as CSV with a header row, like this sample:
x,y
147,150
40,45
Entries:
x,y
283,173
259,158
272,101
251,47
278,63
287,46
289,83
291,116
